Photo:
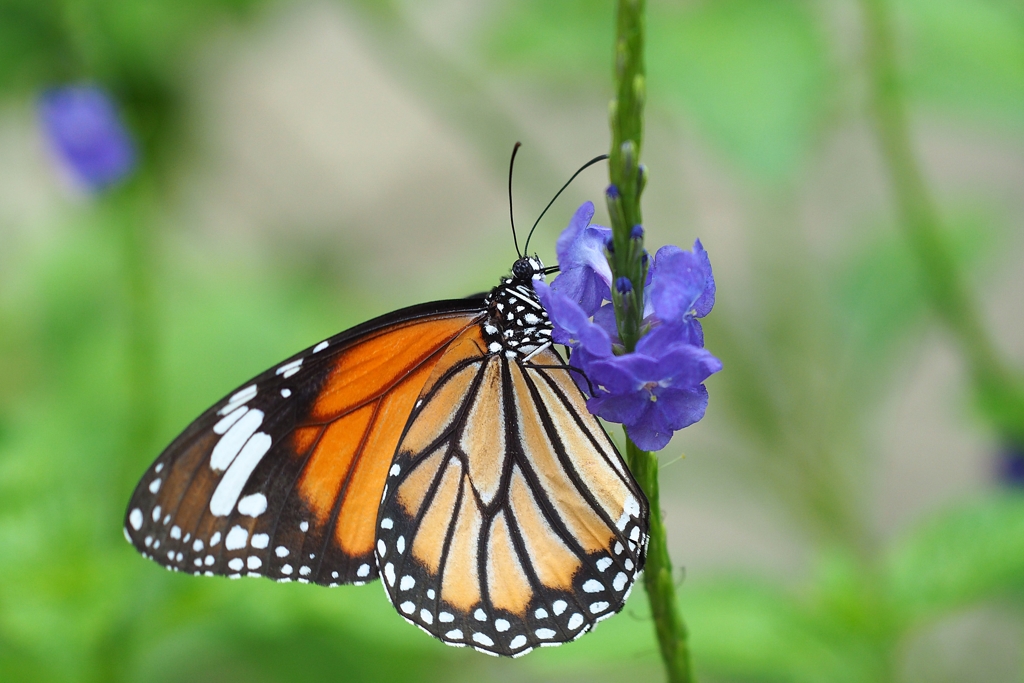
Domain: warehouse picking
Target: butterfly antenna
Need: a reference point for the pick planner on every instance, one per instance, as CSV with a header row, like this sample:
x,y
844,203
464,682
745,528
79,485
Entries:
x,y
537,222
511,214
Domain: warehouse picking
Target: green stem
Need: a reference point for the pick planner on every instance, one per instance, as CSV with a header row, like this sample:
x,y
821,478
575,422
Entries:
x,y
1000,392
628,259
661,588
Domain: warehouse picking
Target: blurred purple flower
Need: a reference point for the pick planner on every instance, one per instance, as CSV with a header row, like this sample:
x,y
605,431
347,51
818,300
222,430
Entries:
x,y
585,276
82,127
657,389
1010,466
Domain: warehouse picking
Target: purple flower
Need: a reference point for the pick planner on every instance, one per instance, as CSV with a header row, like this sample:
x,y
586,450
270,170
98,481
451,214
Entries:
x,y
654,391
585,275
682,289
658,388
82,127
573,327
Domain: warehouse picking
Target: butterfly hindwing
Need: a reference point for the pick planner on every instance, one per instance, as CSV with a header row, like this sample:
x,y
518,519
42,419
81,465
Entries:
x,y
509,520
283,477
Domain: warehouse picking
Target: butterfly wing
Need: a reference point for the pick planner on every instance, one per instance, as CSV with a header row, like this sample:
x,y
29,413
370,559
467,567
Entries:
x,y
509,519
283,478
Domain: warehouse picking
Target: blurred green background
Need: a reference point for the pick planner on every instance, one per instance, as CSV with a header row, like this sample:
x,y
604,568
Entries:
x,y
838,516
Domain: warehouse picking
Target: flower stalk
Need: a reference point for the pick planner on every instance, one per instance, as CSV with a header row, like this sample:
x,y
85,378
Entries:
x,y
627,258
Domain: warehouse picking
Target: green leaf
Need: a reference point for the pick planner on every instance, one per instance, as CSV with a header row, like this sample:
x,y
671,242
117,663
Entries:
x,y
973,552
748,630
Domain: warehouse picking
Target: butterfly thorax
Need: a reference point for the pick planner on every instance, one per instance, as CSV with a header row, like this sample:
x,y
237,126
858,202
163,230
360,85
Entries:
x,y
517,324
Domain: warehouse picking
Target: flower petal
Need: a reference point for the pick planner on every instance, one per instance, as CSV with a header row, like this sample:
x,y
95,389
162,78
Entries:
x,y
706,300
679,281
572,326
621,408
678,408
585,274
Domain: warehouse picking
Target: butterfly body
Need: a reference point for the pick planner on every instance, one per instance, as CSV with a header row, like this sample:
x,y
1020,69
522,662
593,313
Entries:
x,y
443,447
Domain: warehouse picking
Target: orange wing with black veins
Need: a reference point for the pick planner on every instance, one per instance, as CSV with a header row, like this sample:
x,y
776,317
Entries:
x,y
284,477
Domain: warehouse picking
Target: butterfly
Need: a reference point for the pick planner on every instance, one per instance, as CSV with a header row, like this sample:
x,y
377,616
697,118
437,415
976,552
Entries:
x,y
444,448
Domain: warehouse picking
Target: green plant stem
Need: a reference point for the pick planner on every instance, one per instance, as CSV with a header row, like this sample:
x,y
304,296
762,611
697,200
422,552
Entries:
x,y
1001,395
658,580
628,260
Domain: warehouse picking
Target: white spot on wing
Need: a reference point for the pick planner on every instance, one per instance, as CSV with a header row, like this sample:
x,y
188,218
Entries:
x,y
545,633
406,583
426,616
596,607
236,538
541,613
407,607
558,606
154,485
197,546
454,635
483,639
260,541
156,513
234,480
501,625
236,437
517,642
592,586
320,347
253,562
135,519
604,563
480,615
229,419
253,505
281,551
304,527
389,573
619,581
575,621
386,523
243,396
215,539
363,571
289,369
236,564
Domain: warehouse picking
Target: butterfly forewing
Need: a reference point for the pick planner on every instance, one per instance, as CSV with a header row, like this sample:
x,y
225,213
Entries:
x,y
509,520
283,477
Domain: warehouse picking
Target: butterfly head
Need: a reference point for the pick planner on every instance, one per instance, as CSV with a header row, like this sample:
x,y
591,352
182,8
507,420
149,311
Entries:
x,y
527,268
